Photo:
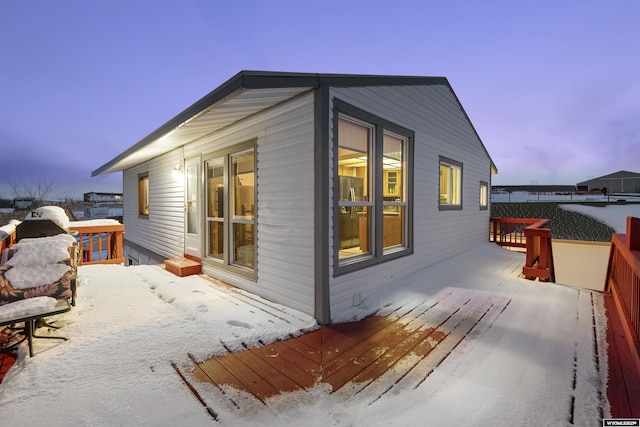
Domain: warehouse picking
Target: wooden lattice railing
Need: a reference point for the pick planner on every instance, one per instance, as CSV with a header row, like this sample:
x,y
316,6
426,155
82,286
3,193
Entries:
x,y
623,281
532,234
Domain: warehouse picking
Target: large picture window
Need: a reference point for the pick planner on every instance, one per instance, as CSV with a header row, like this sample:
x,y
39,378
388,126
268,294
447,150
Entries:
x,y
372,191
230,208
450,184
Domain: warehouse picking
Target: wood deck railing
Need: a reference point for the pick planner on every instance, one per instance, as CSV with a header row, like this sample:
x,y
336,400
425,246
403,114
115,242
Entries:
x,y
532,234
7,238
623,281
100,244
510,231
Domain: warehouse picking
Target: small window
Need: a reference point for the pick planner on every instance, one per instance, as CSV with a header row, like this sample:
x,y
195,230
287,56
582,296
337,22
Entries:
x,y
143,195
484,195
450,184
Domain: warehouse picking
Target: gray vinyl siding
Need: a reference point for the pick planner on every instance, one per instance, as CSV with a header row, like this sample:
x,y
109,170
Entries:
x,y
441,129
162,232
284,176
285,167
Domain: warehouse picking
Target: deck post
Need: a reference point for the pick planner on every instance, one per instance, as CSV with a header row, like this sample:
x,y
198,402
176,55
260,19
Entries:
x,y
633,233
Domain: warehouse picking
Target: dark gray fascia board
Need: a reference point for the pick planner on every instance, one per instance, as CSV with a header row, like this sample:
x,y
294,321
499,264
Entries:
x,y
269,80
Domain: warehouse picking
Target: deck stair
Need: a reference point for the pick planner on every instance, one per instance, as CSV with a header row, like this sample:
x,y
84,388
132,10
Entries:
x,y
183,266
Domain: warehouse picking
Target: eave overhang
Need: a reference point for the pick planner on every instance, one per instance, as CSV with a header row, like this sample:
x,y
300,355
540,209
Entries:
x,y
245,94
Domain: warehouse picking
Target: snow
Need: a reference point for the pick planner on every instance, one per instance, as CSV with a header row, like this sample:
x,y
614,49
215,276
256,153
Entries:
x,y
94,222
546,350
615,216
131,323
38,275
525,196
26,307
8,229
53,213
585,264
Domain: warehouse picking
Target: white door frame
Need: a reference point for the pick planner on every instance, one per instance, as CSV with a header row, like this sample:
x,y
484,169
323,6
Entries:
x,y
193,207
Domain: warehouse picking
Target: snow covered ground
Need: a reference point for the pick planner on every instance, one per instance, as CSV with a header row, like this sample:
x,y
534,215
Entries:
x,y
584,264
615,216
131,323
524,196
541,356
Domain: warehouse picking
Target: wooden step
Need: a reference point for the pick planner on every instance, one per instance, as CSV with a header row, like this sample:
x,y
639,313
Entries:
x,y
183,266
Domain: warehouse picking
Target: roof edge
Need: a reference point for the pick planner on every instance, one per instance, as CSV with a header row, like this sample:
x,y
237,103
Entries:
x,y
249,79
494,168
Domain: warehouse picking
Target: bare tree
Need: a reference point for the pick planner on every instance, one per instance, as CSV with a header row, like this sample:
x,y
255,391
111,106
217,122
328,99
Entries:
x,y
37,190
69,203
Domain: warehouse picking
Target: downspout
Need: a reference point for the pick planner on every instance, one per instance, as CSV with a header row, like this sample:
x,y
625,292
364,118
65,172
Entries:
x,y
322,304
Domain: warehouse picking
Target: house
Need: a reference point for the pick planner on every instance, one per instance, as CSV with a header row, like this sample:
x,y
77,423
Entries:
x,y
102,198
103,205
311,190
617,182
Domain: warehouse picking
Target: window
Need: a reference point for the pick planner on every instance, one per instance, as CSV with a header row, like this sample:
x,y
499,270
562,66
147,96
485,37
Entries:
x,y
230,209
484,195
450,184
143,195
373,176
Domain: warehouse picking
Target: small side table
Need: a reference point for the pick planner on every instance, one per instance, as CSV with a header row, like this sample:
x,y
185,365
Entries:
x,y
30,319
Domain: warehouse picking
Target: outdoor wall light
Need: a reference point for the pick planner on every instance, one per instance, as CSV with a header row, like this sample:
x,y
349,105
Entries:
x,y
177,171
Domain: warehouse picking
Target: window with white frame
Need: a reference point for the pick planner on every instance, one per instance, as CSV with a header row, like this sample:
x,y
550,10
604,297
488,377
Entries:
x,y
450,184
230,209
484,195
372,191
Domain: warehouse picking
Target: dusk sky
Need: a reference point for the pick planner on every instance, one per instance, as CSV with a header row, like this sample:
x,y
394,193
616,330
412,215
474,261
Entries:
x,y
552,87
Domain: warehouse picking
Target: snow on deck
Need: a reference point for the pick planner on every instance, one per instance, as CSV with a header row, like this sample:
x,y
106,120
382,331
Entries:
x,y
541,361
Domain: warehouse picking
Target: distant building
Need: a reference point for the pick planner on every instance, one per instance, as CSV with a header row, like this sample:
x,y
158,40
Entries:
x,y
23,203
103,205
618,182
103,198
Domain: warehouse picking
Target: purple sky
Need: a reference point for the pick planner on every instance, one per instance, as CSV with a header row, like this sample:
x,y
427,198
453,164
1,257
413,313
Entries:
x,y
553,88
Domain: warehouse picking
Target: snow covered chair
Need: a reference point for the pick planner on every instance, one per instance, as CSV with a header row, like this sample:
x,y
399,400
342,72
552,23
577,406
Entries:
x,y
44,266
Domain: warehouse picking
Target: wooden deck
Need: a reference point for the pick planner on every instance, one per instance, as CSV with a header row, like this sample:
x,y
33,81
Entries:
x,y
6,362
623,388
377,354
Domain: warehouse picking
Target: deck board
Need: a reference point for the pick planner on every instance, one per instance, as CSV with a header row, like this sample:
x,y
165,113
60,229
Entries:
x,y
286,367
282,350
305,350
279,380
376,353
251,381
218,375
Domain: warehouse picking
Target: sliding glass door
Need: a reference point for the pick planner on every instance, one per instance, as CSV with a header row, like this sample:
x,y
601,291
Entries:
x,y
230,212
